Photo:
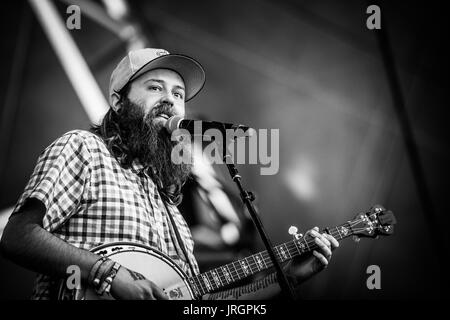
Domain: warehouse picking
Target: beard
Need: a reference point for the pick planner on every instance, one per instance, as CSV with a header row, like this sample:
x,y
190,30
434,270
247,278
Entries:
x,y
149,142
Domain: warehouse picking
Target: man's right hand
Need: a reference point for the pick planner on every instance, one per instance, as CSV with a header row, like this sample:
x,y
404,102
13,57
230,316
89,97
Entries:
x,y
131,285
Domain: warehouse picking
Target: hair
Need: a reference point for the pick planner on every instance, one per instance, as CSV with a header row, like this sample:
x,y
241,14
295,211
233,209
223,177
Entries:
x,y
109,130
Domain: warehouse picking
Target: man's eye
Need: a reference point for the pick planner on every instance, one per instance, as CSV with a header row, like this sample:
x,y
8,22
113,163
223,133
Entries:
x,y
155,88
178,95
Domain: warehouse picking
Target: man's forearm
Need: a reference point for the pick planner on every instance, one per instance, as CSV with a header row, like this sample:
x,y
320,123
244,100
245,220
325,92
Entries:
x,y
26,243
263,289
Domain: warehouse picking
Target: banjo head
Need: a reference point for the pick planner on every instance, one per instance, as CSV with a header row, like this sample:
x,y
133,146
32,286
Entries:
x,y
153,265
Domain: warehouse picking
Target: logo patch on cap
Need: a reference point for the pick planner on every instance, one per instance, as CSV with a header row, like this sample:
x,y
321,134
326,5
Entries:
x,y
160,53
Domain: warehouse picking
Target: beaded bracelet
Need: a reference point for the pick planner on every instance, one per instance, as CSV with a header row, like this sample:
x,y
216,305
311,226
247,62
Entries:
x,y
110,278
105,286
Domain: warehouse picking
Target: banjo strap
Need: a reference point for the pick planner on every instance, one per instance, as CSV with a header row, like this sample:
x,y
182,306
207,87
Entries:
x,y
179,240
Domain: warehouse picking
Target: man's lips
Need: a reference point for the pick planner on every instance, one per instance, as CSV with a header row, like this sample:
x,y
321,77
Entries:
x,y
163,115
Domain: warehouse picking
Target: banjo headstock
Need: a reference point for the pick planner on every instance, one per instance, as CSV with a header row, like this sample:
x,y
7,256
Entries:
x,y
376,222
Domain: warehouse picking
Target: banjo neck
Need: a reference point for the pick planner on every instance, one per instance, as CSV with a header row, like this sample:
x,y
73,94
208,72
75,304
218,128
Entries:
x,y
230,273
376,222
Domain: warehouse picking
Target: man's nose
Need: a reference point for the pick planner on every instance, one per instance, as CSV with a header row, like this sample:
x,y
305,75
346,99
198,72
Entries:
x,y
168,100
175,108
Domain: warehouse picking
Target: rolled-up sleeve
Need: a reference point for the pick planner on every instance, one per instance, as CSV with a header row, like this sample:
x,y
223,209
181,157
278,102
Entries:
x,y
59,179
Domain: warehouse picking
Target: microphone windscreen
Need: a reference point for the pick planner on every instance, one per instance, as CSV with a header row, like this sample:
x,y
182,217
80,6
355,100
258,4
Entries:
x,y
172,123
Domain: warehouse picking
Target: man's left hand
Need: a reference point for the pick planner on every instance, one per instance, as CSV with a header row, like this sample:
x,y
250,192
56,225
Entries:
x,y
303,267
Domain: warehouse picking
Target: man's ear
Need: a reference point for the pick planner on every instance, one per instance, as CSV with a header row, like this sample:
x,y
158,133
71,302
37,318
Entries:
x,y
115,100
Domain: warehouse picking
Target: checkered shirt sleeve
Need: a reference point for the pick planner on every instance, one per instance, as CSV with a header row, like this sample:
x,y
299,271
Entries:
x,y
59,180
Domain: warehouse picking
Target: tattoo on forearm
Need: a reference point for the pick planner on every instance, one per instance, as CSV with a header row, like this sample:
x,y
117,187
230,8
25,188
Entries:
x,y
235,293
136,275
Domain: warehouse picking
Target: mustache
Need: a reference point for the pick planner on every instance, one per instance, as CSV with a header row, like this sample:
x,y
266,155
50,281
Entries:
x,y
163,108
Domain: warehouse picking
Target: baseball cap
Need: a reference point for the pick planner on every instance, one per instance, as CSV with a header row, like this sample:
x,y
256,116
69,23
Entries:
x,y
138,62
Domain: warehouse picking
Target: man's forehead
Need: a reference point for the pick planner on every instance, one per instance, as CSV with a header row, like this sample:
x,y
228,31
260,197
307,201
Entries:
x,y
162,75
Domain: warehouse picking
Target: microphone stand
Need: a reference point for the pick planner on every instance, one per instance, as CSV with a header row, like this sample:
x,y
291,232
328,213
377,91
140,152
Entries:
x,y
247,198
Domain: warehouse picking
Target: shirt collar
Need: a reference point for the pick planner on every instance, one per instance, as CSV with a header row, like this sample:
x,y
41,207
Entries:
x,y
139,168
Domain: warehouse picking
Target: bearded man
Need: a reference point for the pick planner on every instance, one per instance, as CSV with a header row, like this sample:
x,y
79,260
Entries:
x,y
118,183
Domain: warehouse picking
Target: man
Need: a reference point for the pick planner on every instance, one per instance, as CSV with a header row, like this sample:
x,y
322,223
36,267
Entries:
x,y
118,183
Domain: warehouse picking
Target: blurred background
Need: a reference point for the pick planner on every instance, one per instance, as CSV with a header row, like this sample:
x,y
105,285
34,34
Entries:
x,y
311,69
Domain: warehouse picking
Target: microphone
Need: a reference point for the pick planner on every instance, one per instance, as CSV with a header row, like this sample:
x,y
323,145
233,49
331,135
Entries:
x,y
193,126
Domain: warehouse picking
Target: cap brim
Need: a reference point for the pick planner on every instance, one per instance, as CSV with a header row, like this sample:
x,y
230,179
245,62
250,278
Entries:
x,y
188,68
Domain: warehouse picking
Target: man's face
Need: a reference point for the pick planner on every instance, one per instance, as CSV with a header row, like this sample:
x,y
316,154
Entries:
x,y
157,87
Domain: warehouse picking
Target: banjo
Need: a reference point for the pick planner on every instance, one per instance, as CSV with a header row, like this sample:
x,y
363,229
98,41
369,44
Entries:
x,y
178,286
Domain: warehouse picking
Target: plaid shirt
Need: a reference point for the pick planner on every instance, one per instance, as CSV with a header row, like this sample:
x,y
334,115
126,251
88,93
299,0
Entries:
x,y
92,200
